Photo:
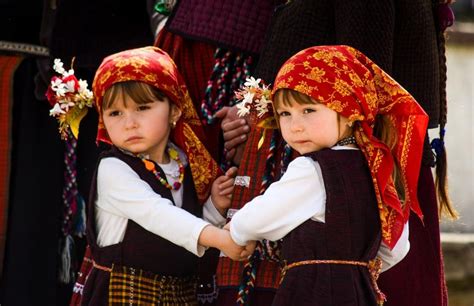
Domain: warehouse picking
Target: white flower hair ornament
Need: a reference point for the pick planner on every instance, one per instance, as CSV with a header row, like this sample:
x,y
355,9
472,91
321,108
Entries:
x,y
253,97
254,101
69,98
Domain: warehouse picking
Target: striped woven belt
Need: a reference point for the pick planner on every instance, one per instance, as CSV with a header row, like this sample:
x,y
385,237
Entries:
x,y
374,266
99,267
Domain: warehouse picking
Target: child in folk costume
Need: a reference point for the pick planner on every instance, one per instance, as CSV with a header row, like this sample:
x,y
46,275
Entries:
x,y
337,207
144,226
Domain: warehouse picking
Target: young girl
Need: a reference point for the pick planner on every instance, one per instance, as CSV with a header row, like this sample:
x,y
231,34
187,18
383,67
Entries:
x,y
144,225
336,206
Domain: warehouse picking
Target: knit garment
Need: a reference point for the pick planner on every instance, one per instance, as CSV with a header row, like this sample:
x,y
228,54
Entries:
x,y
235,24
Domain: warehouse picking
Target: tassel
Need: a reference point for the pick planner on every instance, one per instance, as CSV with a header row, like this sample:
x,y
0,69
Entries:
x,y
80,222
66,272
74,214
438,145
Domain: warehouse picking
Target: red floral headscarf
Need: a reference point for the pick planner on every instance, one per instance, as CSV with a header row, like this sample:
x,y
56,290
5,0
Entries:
x,y
348,82
153,66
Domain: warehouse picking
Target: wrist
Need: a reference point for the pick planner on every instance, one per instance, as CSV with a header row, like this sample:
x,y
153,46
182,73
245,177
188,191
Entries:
x,y
211,236
222,210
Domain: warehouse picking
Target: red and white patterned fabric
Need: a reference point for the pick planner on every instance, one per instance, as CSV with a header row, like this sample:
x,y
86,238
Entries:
x,y
153,66
348,82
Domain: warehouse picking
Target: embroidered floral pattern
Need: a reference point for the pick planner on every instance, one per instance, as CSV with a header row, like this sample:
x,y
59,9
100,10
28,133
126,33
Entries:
x,y
348,82
154,67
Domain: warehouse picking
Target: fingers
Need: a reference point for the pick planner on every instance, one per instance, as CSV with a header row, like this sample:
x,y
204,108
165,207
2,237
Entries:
x,y
231,172
230,154
235,129
245,254
226,182
227,191
235,142
222,112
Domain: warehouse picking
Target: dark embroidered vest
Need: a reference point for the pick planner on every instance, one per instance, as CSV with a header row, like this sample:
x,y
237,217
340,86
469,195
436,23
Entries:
x,y
140,249
351,232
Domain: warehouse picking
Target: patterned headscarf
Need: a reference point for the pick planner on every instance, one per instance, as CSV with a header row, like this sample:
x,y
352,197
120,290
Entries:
x,y
153,66
345,80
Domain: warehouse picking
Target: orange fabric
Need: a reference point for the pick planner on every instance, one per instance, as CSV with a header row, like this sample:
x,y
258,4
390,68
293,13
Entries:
x,y
8,66
153,66
348,82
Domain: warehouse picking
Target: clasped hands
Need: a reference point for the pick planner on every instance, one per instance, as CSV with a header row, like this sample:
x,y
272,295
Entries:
x,y
234,251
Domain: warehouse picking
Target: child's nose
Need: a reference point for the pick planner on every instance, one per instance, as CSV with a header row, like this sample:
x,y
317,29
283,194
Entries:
x,y
296,124
130,121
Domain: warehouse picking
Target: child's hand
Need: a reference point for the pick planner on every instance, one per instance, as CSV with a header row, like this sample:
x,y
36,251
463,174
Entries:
x,y
249,249
214,237
221,191
233,250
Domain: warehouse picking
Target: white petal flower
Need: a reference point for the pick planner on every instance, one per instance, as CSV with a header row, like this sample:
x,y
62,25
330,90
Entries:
x,y
84,91
252,82
70,86
68,73
58,66
248,97
55,84
82,85
262,106
56,110
65,105
88,94
242,109
61,89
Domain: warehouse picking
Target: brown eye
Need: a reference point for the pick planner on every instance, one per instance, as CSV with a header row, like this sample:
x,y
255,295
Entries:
x,y
113,113
143,107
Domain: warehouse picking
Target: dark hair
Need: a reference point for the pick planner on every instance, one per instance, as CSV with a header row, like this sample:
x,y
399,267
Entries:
x,y
139,92
284,96
441,180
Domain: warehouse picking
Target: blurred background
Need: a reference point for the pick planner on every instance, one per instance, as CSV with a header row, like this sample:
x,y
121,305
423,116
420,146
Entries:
x,y
31,210
458,236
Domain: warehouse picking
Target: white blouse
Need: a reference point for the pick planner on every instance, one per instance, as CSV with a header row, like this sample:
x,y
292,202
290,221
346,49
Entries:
x,y
123,195
298,196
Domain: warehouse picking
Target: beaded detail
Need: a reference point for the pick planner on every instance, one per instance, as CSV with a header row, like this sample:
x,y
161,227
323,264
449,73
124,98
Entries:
x,y
173,154
346,141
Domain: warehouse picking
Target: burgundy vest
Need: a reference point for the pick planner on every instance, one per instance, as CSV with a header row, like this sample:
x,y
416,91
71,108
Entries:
x,y
351,232
140,249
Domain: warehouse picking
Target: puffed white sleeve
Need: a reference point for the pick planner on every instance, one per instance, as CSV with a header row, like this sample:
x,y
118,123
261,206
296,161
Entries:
x,y
298,196
391,257
212,215
120,191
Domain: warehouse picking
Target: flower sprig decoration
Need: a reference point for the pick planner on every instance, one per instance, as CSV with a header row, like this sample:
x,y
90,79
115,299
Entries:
x,y
70,99
253,97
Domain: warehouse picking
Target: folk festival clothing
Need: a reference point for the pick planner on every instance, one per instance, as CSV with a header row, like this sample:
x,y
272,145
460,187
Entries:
x,y
341,224
269,217
378,30
148,246
145,268
121,194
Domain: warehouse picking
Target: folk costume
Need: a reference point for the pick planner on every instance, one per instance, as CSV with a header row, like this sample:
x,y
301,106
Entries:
x,y
226,59
378,30
330,243
143,247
